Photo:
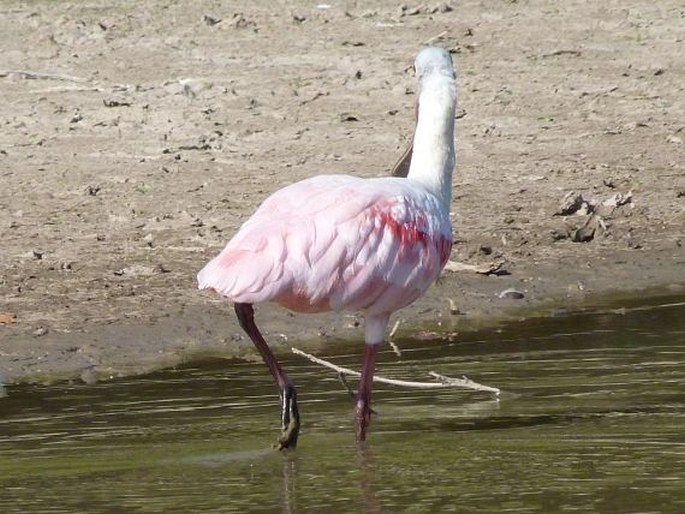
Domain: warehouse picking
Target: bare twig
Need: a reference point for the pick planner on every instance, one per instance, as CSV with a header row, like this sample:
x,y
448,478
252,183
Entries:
x,y
442,381
394,329
35,75
69,89
343,381
393,345
555,53
317,95
434,38
463,382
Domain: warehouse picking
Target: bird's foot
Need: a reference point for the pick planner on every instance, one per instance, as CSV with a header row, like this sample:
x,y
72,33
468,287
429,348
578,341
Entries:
x,y
290,419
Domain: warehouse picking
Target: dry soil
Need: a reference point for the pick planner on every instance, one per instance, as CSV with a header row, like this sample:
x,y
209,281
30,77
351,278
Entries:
x,y
137,136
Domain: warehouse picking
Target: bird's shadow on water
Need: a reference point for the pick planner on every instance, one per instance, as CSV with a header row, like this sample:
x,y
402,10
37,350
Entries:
x,y
292,464
220,459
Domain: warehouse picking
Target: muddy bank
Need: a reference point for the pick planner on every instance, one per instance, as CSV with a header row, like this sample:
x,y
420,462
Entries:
x,y
136,140
458,304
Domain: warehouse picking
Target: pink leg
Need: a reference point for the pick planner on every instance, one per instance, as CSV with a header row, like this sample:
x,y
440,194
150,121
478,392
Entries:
x,y
363,407
290,416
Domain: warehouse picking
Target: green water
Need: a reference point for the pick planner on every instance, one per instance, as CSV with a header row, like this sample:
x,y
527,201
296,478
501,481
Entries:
x,y
593,420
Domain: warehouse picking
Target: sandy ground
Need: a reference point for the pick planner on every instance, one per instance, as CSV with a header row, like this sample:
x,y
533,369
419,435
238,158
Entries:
x,y
137,136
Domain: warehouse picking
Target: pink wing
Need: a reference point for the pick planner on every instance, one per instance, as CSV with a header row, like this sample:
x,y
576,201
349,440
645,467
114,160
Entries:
x,y
336,242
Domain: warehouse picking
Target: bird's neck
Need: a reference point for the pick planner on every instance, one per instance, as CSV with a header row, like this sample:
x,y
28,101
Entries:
x,y
433,156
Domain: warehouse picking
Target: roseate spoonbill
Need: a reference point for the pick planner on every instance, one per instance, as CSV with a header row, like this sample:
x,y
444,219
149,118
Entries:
x,y
336,242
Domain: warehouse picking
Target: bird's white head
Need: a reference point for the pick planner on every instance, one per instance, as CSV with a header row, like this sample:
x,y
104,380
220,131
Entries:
x,y
434,60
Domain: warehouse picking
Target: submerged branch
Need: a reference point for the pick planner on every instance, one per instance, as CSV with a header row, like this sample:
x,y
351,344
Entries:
x,y
442,381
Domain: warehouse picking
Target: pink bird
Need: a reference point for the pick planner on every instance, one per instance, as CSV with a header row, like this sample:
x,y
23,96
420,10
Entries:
x,y
336,242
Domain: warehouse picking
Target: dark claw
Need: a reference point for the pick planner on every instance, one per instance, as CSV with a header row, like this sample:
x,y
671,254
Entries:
x,y
290,418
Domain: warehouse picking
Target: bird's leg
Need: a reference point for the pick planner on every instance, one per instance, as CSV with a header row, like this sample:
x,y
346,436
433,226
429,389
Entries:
x,y
290,416
363,407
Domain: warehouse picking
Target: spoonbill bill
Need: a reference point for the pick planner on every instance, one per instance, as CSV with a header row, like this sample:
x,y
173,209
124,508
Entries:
x,y
343,243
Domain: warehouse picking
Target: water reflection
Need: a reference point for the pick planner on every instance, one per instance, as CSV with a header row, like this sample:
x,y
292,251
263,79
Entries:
x,y
369,501
289,484
591,419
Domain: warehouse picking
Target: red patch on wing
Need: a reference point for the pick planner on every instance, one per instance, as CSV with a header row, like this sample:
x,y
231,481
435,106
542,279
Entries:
x,y
444,248
415,233
406,233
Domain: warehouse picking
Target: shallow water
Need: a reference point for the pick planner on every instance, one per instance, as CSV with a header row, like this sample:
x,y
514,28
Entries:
x,y
592,420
